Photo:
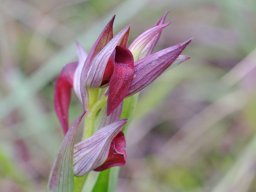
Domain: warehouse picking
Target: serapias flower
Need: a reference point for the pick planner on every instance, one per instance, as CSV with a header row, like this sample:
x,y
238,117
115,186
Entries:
x,y
103,150
119,71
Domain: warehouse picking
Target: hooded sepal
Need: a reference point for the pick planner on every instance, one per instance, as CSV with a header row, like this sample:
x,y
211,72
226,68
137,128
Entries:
x,y
121,78
144,44
62,94
100,61
105,36
152,66
61,177
93,152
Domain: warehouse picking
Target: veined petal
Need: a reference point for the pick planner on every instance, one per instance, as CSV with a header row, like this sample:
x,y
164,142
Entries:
x,y
93,152
144,44
121,78
152,66
99,63
61,177
62,94
78,73
105,36
116,154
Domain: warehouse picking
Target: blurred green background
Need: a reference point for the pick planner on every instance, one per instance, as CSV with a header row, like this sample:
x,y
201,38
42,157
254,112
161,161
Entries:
x,y
194,129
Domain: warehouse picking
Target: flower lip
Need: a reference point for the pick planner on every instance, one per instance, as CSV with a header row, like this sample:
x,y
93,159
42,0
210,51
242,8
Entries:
x,y
121,78
117,153
62,94
123,55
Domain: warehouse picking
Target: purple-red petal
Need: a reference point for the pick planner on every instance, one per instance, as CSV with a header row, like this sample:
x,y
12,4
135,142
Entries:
x,y
62,94
144,44
100,61
103,39
121,78
152,66
117,153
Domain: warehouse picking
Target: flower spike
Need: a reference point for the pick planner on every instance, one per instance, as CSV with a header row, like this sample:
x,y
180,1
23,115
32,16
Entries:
x,y
94,151
62,94
110,72
152,66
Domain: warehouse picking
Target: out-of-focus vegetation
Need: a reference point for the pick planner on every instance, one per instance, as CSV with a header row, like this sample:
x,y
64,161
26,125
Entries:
x,y
194,129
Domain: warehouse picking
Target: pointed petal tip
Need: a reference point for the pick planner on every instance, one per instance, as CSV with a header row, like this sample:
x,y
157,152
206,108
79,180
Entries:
x,y
111,22
127,28
185,43
163,18
188,41
123,121
163,25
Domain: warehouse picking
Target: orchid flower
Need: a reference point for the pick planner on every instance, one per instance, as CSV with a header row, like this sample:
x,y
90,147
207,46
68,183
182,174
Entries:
x,y
119,71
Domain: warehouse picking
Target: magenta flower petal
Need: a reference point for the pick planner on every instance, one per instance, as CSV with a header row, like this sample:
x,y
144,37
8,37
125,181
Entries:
x,y
121,78
62,94
116,154
152,66
105,36
144,44
100,61
93,152
61,176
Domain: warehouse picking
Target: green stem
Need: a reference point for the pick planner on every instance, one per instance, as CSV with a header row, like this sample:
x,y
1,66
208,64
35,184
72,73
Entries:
x,y
129,106
90,120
